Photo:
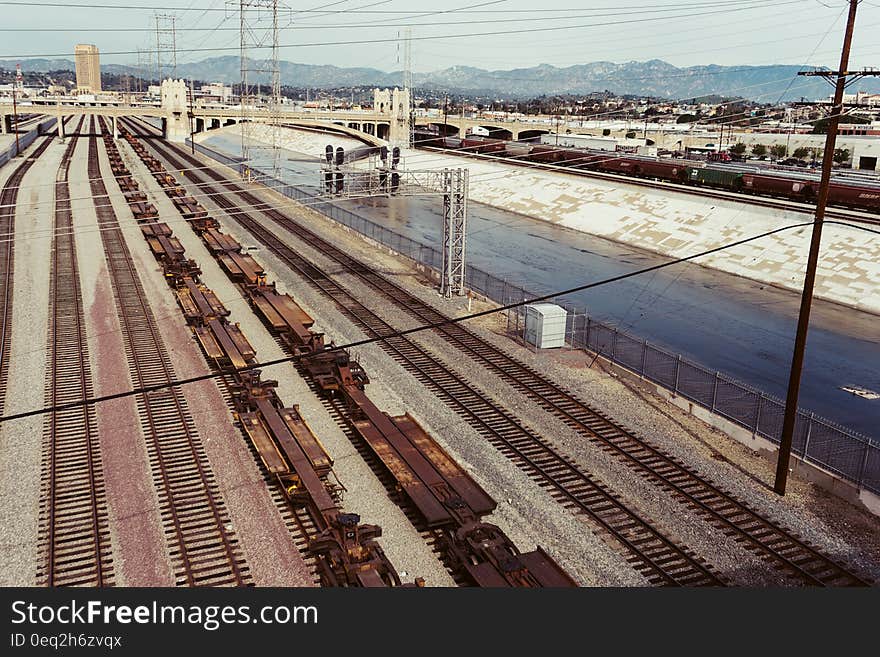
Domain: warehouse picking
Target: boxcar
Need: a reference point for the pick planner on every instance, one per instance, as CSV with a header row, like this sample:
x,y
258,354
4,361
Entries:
x,y
716,177
778,186
867,198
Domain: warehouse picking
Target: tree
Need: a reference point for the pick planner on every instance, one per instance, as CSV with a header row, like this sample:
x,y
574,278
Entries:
x,y
758,150
801,152
631,134
738,148
841,155
606,132
686,118
778,150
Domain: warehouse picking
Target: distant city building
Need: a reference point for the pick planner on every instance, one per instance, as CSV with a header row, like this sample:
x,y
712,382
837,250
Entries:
x,y
216,91
860,98
88,68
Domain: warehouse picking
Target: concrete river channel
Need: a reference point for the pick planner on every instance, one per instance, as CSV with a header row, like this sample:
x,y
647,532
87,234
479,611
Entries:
x,y
740,327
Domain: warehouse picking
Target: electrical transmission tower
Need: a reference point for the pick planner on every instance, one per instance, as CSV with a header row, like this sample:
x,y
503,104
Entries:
x,y
407,85
143,68
260,22
166,46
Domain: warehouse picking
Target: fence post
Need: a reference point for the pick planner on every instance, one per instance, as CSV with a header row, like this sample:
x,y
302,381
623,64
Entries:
x,y
644,357
809,433
587,342
864,465
757,428
715,392
677,370
613,342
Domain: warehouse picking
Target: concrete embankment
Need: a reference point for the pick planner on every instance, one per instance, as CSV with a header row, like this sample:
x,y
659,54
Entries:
x,y
679,224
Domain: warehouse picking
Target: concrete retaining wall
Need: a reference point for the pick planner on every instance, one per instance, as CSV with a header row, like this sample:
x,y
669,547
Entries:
x,y
678,224
25,140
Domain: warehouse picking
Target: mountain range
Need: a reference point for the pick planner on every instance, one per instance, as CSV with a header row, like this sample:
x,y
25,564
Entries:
x,y
654,78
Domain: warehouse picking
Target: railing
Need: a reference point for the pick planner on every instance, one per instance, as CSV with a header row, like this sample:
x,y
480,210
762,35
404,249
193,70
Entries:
x,y
822,442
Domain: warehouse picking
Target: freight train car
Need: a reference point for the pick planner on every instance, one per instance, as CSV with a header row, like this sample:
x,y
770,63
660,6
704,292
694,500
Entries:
x,y
855,195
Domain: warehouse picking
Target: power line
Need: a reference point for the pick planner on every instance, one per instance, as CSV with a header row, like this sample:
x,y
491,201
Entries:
x,y
367,24
441,36
399,333
363,11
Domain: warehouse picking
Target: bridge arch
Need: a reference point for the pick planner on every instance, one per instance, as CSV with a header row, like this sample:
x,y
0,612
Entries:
x,y
444,129
496,132
532,135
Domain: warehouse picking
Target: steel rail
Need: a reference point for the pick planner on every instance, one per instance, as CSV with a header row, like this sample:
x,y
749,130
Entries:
x,y
660,559
203,550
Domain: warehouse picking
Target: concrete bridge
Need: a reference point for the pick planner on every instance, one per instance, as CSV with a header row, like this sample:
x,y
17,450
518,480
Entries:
x,y
179,121
387,122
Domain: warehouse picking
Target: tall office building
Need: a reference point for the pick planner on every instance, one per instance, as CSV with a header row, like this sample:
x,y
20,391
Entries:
x,y
88,68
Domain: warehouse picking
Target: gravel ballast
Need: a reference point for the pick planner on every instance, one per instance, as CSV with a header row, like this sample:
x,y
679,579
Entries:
x,y
260,531
842,531
21,440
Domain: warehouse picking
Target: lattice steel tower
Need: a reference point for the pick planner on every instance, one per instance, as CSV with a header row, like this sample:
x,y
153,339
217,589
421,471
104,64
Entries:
x,y
455,193
407,86
260,21
166,46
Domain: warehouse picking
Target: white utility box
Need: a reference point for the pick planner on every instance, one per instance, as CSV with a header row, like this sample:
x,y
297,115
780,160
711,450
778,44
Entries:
x,y
545,325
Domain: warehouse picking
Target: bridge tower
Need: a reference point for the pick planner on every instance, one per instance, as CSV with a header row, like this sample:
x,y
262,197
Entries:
x,y
400,133
174,102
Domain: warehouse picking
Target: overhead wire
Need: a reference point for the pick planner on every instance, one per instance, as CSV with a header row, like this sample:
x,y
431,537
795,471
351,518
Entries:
x,y
457,35
398,333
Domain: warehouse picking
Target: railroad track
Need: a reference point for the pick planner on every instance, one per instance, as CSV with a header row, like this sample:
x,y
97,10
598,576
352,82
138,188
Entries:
x,y
337,410
833,212
74,526
202,547
8,198
659,559
733,517
762,536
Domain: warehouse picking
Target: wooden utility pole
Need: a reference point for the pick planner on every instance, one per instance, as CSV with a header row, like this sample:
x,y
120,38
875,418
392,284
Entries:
x,y
800,342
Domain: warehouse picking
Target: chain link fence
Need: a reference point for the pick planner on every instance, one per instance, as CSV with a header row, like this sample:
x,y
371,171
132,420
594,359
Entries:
x,y
822,442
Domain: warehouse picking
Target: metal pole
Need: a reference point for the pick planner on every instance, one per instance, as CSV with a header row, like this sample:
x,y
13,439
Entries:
x,y
192,118
800,341
15,116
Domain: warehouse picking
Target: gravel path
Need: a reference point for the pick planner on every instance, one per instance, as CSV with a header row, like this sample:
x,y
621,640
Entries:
x,y
21,440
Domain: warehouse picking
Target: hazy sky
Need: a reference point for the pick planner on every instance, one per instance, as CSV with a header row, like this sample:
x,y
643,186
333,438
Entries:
x,y
728,32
